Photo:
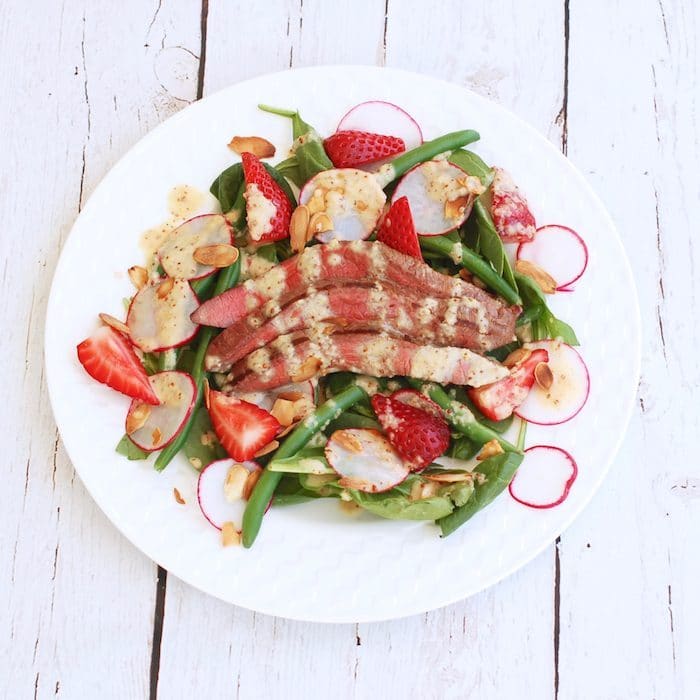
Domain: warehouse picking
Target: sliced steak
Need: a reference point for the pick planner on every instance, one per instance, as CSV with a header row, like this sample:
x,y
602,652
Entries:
x,y
455,321
290,358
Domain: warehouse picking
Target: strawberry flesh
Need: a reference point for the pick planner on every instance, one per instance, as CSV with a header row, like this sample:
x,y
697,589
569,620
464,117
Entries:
x,y
416,435
108,357
498,400
260,182
397,229
242,428
511,215
348,149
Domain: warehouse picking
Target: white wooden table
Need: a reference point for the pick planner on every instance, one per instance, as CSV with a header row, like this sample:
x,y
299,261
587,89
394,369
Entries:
x,y
612,610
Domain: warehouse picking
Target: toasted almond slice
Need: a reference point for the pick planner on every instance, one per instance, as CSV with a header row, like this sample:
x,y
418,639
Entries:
x,y
256,145
416,489
449,477
429,489
114,323
544,280
178,497
302,407
517,356
308,368
270,447
317,203
138,276
137,418
318,223
229,535
291,395
250,483
283,410
348,441
196,462
544,376
156,435
165,287
205,386
234,483
455,208
218,255
490,449
298,226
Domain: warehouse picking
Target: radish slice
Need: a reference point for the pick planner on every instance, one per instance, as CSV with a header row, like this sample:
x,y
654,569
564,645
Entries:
x,y
266,399
159,315
568,393
419,400
440,195
379,117
365,460
176,254
545,477
159,425
560,251
353,199
211,494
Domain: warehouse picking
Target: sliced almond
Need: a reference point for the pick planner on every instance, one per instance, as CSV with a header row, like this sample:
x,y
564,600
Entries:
x,y
256,145
165,287
229,535
544,280
544,376
348,441
302,407
178,497
429,489
455,208
196,462
137,418
490,449
114,323
308,368
283,410
517,356
416,489
219,255
138,276
252,479
234,483
449,477
156,435
318,223
270,447
298,226
205,386
317,202
291,395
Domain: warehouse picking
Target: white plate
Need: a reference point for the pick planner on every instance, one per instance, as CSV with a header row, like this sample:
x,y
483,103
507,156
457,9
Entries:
x,y
312,562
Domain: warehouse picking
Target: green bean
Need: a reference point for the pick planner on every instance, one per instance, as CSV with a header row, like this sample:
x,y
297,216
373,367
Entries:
x,y
426,151
472,262
461,418
227,278
300,436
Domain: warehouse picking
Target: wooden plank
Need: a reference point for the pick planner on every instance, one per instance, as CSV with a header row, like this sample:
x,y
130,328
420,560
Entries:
x,y
78,89
629,609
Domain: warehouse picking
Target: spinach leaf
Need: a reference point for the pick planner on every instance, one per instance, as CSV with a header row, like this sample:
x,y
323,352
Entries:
x,y
127,448
227,186
463,448
291,491
150,362
201,446
290,169
471,163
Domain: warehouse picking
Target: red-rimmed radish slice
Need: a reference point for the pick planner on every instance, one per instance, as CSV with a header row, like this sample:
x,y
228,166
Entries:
x,y
545,477
560,251
568,392
159,315
380,117
217,498
440,196
153,427
352,199
266,399
177,253
365,460
417,399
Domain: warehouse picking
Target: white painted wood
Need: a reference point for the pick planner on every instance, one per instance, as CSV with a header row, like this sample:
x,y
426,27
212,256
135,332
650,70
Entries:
x,y
78,89
80,600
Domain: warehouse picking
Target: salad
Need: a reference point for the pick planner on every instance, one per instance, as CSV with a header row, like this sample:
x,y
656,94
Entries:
x,y
366,321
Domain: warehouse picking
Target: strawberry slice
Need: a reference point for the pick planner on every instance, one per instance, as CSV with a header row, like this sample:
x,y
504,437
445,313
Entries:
x,y
267,206
498,400
416,435
348,149
108,357
511,215
242,428
397,229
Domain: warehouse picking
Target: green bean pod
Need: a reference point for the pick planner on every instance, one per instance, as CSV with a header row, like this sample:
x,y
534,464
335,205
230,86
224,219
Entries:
x,y
300,436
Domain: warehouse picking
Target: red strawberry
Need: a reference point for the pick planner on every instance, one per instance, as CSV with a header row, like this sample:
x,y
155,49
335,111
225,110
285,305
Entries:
x,y
242,428
415,434
511,216
397,229
108,357
348,149
261,190
498,400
